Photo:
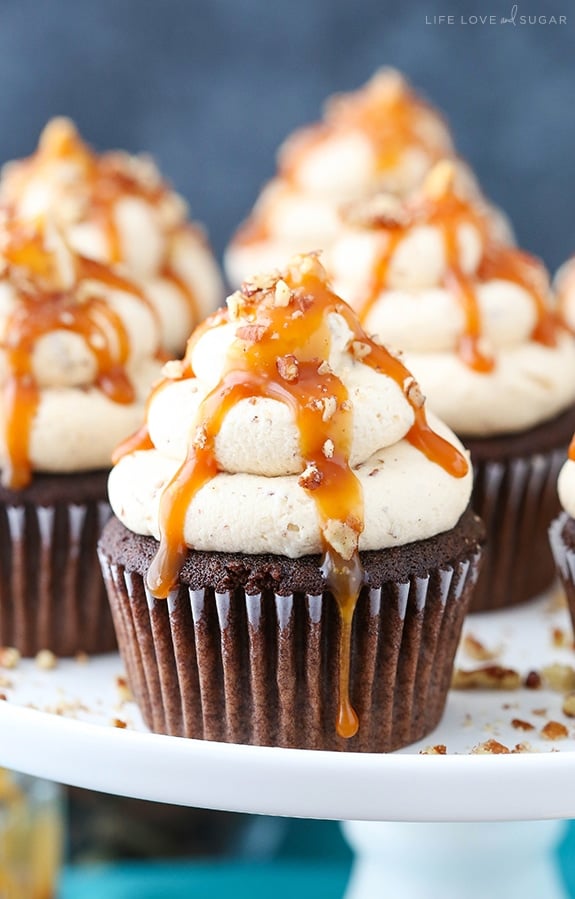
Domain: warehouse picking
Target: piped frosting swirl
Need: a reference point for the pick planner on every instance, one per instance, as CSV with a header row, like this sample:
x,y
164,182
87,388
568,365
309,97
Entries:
x,y
115,208
474,315
350,460
78,352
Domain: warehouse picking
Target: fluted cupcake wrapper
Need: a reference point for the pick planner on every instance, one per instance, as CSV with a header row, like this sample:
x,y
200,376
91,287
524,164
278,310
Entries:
x,y
51,591
563,551
517,499
263,668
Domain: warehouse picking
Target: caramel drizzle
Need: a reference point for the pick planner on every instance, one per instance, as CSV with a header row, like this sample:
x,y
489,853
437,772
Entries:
x,y
261,364
447,213
170,274
386,111
41,309
107,179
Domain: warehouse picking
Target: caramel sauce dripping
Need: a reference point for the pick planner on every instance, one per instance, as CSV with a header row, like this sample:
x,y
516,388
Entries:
x,y
440,207
571,453
106,179
279,353
170,274
44,306
386,111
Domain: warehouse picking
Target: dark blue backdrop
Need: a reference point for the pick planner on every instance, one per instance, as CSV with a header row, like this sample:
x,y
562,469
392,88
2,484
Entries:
x,y
211,87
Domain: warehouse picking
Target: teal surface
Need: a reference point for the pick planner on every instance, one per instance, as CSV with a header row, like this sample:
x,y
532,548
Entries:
x,y
314,863
282,880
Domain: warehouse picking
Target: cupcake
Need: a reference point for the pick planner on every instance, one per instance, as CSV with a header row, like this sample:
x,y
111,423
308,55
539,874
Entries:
x,y
293,550
562,530
382,136
117,209
78,354
476,320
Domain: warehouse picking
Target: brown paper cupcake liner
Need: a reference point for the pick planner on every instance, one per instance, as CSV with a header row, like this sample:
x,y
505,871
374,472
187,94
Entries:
x,y
517,499
262,668
562,543
51,591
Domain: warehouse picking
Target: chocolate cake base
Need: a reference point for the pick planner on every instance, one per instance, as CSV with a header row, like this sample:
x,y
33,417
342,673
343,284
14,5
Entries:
x,y
515,493
246,648
51,591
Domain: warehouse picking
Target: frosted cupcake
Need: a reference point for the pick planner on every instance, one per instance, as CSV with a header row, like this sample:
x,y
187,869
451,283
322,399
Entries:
x,y
562,530
78,354
476,321
117,209
293,552
382,136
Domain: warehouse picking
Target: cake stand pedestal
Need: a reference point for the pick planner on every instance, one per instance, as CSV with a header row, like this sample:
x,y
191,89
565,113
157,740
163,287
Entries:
x,y
498,860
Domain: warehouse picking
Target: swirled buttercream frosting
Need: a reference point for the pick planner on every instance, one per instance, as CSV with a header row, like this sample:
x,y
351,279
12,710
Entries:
x,y
116,208
288,430
382,136
474,315
78,354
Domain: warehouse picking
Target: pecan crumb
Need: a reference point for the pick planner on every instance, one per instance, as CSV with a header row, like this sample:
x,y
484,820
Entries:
x,y
519,724
200,437
554,730
282,294
324,368
287,367
490,677
311,478
413,393
45,659
522,747
341,537
568,707
439,749
82,658
251,333
533,680
559,638
328,449
476,650
360,349
174,369
117,722
3,697
329,408
490,747
123,689
539,712
560,678
9,657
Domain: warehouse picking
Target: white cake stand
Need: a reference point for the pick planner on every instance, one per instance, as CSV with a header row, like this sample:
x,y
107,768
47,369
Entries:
x,y
62,724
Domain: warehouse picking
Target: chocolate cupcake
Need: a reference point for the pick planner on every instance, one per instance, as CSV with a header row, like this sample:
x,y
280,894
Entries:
x,y
78,357
562,530
475,319
381,136
297,571
117,209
